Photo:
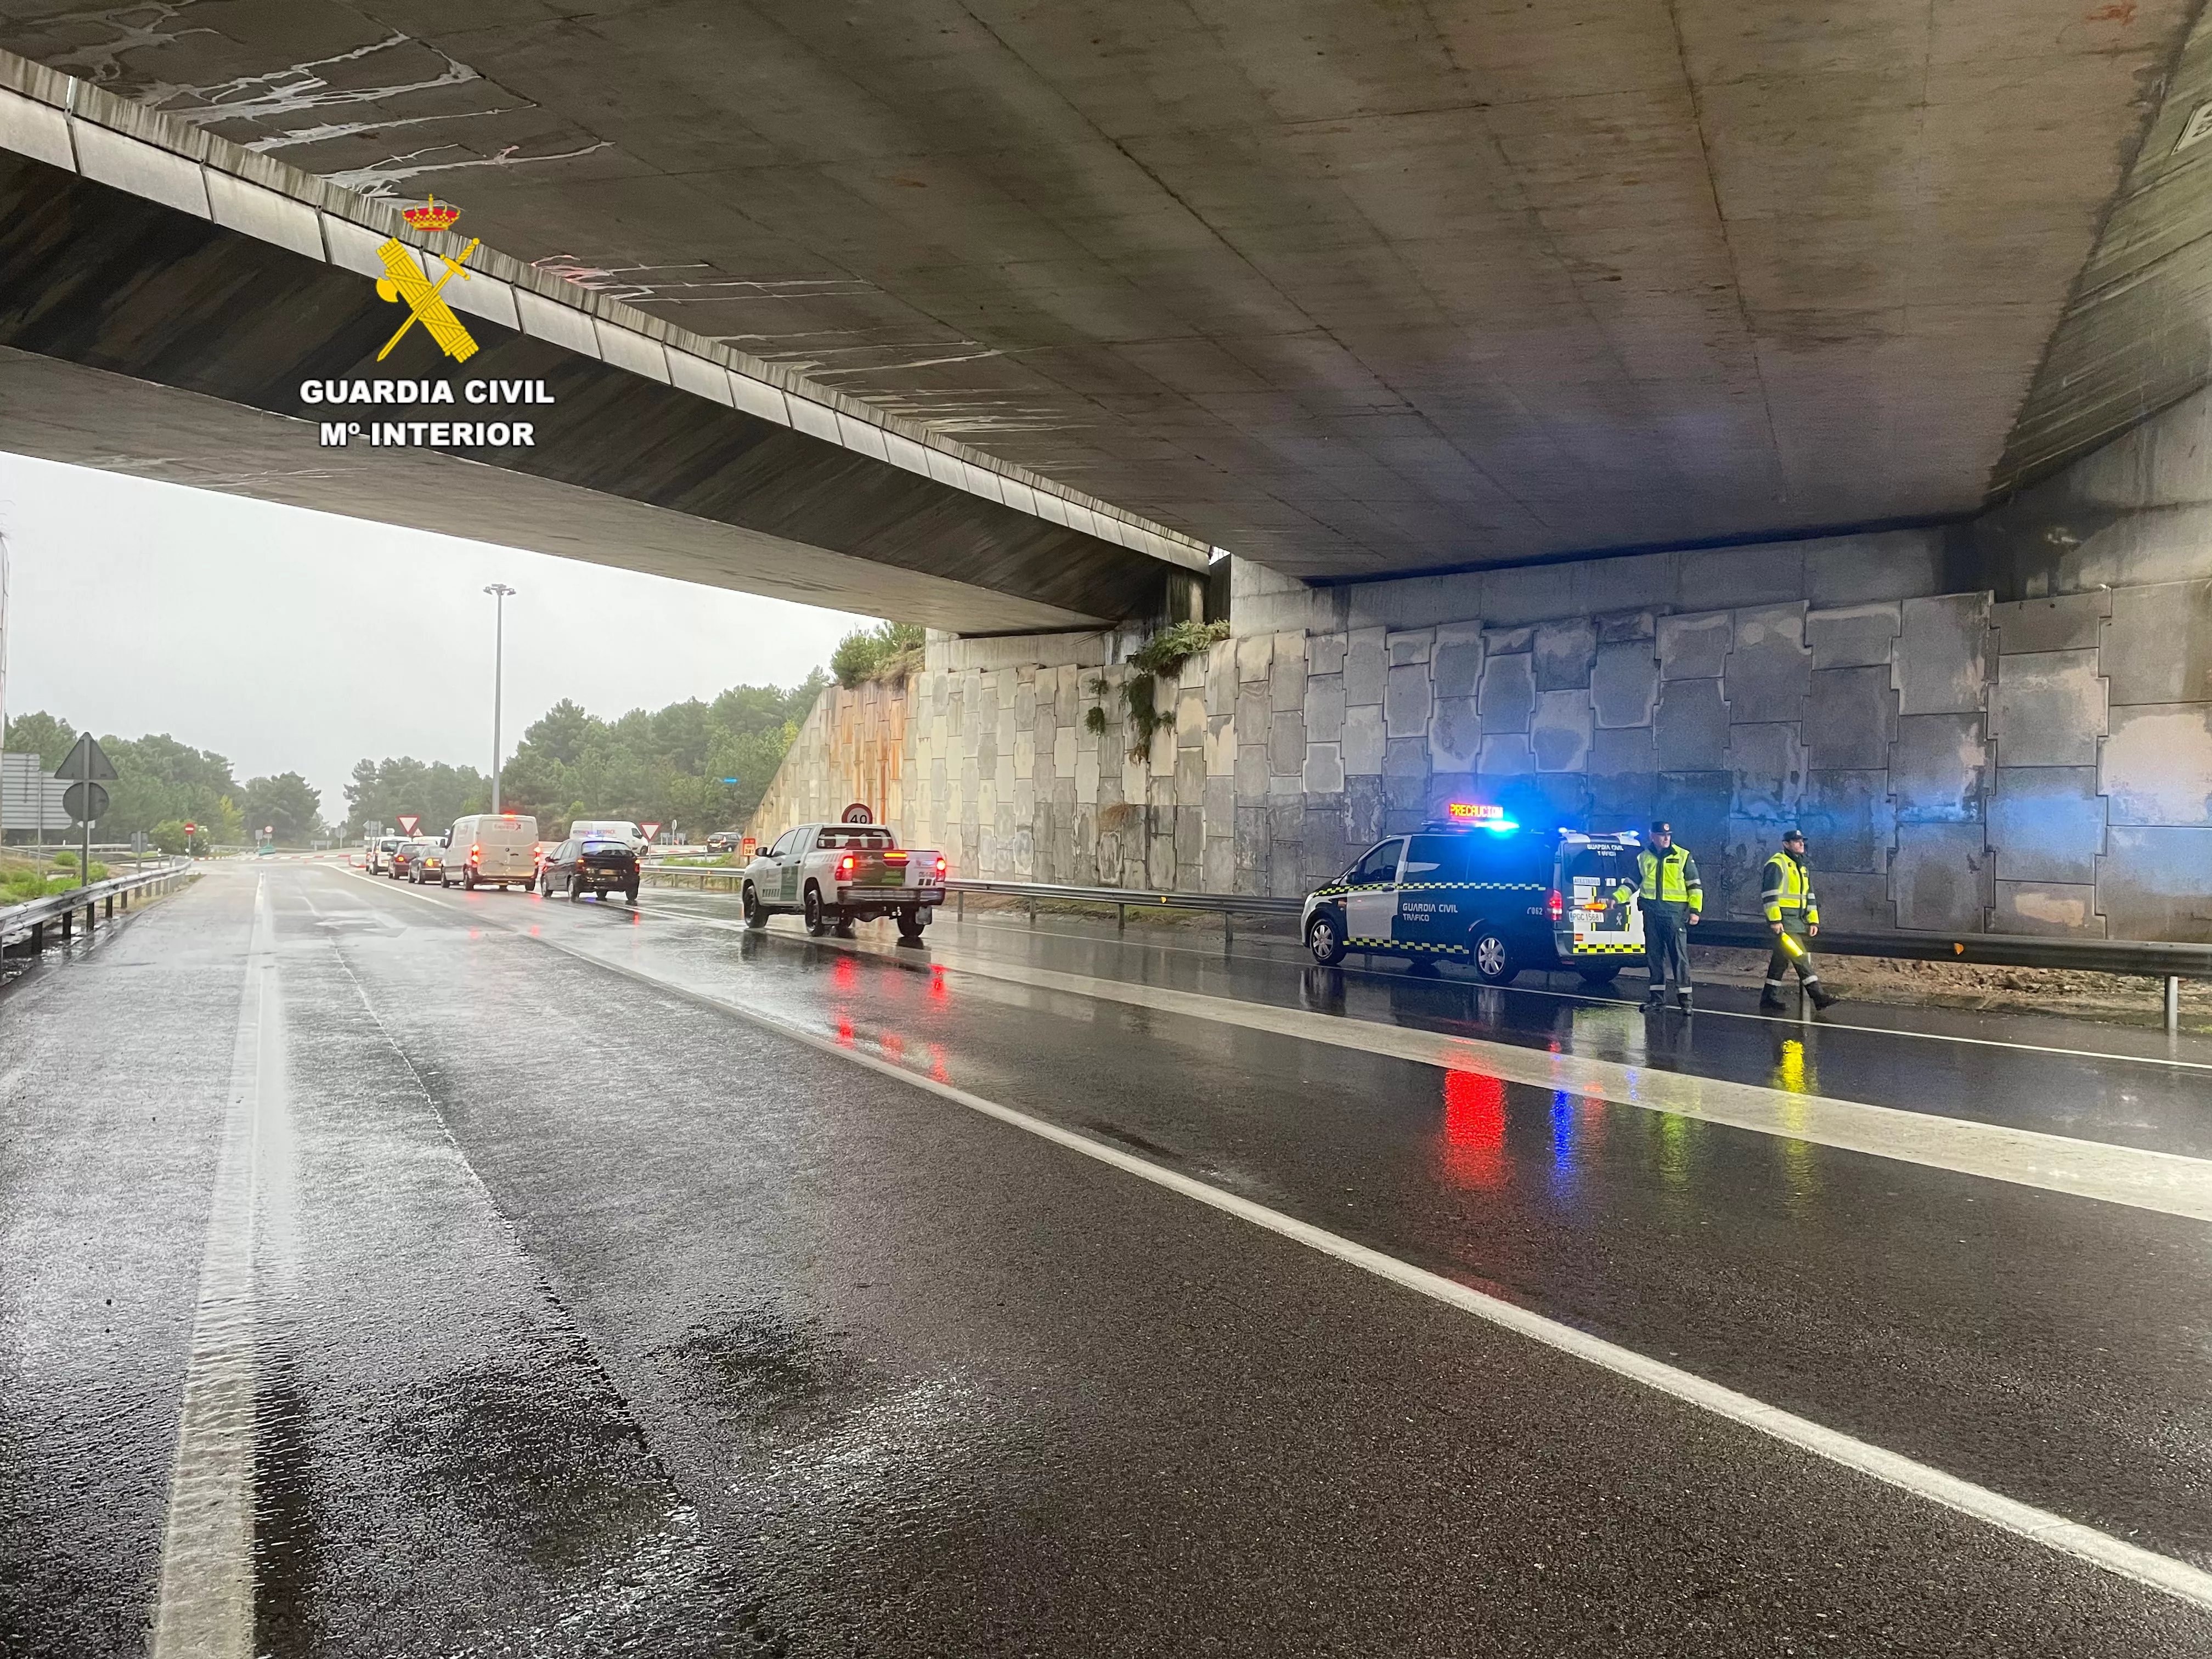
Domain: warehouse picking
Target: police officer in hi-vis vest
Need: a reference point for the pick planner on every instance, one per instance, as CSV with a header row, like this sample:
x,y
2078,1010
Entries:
x,y
1794,915
1672,898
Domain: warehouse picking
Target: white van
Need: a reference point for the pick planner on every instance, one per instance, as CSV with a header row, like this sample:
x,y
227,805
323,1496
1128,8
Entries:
x,y
498,850
612,830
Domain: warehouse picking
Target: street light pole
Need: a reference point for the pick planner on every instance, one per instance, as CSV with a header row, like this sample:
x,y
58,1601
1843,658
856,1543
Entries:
x,y
501,593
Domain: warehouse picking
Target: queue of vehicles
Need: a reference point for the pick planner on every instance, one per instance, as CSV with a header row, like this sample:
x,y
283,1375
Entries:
x,y
503,849
1474,887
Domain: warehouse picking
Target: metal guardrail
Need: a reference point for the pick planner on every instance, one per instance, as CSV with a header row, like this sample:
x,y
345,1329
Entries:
x,y
706,878
2144,959
31,919
1227,906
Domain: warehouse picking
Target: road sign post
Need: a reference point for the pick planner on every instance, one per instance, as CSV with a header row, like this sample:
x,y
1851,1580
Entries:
x,y
85,799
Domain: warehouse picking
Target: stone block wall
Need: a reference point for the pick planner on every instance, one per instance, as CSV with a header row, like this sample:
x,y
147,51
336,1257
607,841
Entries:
x,y
2033,755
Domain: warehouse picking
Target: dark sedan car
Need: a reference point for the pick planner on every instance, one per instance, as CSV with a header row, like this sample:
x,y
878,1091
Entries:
x,y
406,860
589,865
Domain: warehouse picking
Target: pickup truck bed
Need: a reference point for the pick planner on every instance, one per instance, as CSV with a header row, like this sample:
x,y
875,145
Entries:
x,y
836,874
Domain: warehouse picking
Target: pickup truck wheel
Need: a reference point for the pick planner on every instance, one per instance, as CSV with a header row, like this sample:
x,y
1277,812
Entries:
x,y
816,923
844,927
910,922
755,916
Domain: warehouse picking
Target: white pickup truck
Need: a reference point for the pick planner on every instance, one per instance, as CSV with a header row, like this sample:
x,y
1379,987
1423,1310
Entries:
x,y
836,874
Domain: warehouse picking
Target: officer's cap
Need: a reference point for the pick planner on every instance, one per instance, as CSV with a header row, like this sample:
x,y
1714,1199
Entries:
x,y
1793,834
1661,826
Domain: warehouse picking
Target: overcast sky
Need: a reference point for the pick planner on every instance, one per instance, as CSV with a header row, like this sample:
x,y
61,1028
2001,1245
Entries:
x,y
291,641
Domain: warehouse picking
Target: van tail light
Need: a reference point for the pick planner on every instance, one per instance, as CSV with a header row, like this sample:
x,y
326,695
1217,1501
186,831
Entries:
x,y
1556,904
940,867
845,866
476,854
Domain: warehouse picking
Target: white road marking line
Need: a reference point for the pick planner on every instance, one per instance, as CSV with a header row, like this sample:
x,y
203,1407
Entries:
x,y
2166,1183
2054,1532
2169,1183
1296,958
205,1607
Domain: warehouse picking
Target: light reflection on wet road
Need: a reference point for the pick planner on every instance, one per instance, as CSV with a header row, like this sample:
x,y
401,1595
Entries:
x,y
601,1320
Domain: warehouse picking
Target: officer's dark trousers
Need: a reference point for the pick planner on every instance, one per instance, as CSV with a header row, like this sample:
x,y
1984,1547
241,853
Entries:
x,y
1667,944
1781,961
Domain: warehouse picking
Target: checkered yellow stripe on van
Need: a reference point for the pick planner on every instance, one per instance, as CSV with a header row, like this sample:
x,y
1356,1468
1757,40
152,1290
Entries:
x,y
1403,945
1609,950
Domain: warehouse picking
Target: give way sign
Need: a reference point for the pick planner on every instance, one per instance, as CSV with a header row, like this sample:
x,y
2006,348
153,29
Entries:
x,y
408,821
651,829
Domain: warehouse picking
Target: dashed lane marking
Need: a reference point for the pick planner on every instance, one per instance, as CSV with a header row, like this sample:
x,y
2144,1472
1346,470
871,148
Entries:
x,y
2054,1532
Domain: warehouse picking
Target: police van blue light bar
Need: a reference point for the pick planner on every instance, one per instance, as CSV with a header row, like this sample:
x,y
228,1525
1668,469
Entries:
x,y
1480,815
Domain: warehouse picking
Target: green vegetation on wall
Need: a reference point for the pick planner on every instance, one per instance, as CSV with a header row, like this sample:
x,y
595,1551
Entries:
x,y
886,651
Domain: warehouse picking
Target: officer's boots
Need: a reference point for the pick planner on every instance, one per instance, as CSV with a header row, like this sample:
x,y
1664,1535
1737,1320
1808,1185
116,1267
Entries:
x,y
1771,1002
1821,995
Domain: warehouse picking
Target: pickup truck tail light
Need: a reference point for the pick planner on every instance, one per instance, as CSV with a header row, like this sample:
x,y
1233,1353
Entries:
x,y
940,867
845,867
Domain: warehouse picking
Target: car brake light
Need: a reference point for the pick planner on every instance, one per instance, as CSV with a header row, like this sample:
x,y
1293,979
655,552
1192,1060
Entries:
x,y
1556,904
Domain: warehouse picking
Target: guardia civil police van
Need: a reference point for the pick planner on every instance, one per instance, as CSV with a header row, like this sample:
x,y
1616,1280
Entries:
x,y
1477,887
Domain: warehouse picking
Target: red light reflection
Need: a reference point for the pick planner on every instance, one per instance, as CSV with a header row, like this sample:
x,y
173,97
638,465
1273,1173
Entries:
x,y
1471,1150
844,1029
894,1047
846,972
937,989
937,1064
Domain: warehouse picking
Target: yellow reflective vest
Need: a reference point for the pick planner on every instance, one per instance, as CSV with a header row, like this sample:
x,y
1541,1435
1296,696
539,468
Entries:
x,y
1786,893
1669,880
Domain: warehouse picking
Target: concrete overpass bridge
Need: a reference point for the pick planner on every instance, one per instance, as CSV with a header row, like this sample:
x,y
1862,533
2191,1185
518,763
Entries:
x,y
1352,290
1568,381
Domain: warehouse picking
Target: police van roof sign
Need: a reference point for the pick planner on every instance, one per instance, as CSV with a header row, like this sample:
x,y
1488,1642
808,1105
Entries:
x,y
1479,814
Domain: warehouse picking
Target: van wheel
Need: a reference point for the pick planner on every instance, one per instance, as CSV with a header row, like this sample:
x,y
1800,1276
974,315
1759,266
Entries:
x,y
755,916
816,923
469,880
1325,938
1493,957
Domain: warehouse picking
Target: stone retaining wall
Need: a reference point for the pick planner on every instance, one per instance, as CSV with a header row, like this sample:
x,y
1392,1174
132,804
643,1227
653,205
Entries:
x,y
2035,764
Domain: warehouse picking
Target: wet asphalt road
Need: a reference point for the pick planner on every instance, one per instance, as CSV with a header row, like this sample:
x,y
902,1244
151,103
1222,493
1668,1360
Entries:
x,y
591,1318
